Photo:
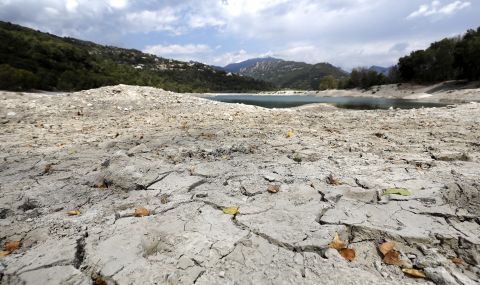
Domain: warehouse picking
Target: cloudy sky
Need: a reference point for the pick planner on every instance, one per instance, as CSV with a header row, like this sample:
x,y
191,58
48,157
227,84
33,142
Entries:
x,y
347,33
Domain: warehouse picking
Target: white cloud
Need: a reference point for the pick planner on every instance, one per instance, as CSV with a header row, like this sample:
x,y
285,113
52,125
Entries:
x,y
200,21
118,4
232,57
436,8
147,21
71,5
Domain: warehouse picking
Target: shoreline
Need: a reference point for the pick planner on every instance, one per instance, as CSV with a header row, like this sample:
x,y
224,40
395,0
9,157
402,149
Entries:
x,y
432,93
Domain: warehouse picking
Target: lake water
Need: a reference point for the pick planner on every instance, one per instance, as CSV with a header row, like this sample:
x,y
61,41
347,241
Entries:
x,y
359,103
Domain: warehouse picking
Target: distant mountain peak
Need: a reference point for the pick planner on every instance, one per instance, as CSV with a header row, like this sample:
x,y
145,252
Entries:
x,y
291,74
236,67
380,69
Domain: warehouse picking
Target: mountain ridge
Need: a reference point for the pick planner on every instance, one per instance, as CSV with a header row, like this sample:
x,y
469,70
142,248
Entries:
x,y
236,67
292,74
31,59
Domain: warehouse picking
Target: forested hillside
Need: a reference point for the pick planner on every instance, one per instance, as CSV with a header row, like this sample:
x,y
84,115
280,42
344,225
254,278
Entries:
x,y
448,59
31,59
292,74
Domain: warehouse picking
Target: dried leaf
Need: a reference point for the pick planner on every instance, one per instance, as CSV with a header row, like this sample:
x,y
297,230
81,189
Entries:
x,y
386,247
99,281
456,260
414,273
397,191
273,188
348,253
164,199
73,213
48,169
392,258
101,184
332,180
4,253
290,134
12,245
231,210
141,212
337,243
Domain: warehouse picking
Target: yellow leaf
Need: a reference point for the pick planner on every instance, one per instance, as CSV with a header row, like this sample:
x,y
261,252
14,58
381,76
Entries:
x,y
392,258
414,272
290,134
337,243
12,245
4,253
141,212
73,213
348,253
386,247
231,210
397,191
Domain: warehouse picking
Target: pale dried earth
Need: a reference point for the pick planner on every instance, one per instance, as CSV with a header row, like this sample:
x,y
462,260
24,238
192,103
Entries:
x,y
108,151
445,92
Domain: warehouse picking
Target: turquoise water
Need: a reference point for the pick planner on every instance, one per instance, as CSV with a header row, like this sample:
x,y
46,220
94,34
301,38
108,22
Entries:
x,y
359,103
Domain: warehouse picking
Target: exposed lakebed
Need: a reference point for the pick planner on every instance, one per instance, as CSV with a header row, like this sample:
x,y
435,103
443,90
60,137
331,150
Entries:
x,y
359,103
183,186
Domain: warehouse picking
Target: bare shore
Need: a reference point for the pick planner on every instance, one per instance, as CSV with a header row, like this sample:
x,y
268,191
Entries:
x,y
205,171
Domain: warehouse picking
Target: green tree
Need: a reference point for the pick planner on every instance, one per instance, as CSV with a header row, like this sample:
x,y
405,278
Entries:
x,y
16,79
365,78
467,56
448,59
328,82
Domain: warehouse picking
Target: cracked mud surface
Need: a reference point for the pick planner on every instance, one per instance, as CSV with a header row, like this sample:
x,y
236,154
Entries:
x,y
107,151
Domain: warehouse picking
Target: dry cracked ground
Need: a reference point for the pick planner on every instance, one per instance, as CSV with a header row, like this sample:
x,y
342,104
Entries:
x,y
108,151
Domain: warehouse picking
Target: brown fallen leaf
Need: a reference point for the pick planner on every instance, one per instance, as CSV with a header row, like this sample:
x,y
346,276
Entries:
x,y
141,212
48,169
348,254
4,253
386,247
456,260
73,213
332,180
273,188
337,243
392,258
99,281
100,184
12,245
414,273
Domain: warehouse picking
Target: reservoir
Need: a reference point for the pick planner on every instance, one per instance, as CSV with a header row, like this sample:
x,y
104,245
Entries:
x,y
358,103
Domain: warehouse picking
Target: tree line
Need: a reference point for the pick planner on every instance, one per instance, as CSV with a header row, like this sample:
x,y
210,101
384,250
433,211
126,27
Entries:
x,y
448,59
455,58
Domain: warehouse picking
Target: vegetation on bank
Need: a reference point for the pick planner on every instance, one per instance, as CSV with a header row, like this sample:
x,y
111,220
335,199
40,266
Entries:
x,y
31,59
449,59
